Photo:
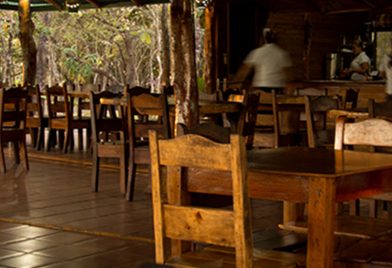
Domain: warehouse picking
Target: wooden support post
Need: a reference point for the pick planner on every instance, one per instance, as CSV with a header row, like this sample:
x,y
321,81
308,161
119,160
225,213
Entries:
x,y
29,49
183,62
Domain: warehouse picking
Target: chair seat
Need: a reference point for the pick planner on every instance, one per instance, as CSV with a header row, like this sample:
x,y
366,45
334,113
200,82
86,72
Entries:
x,y
114,149
13,134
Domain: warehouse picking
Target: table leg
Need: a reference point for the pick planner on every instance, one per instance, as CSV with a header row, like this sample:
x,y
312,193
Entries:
x,y
321,214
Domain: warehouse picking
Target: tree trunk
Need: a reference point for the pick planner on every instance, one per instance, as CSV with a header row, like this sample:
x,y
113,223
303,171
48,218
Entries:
x,y
209,80
165,78
183,62
29,50
42,56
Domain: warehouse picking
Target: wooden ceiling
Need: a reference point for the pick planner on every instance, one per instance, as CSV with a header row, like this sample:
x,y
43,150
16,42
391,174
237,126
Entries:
x,y
319,6
328,6
60,5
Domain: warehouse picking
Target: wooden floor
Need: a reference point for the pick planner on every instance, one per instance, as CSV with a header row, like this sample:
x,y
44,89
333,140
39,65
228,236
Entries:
x,y
50,218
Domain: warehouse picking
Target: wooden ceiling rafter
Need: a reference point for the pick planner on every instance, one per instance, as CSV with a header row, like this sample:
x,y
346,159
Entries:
x,y
55,4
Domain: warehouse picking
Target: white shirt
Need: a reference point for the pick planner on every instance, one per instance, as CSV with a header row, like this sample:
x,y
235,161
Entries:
x,y
269,62
356,64
384,67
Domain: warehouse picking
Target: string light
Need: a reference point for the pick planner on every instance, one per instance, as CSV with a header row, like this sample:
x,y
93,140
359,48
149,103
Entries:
x,y
72,5
203,3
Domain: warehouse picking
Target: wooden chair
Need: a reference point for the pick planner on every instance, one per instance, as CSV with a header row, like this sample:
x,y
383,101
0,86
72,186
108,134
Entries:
x,y
13,107
60,116
278,122
83,111
225,228
350,100
316,119
35,121
243,123
372,132
145,111
109,136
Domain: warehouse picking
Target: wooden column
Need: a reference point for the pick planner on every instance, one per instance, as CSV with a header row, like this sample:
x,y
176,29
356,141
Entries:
x,y
29,49
307,45
183,62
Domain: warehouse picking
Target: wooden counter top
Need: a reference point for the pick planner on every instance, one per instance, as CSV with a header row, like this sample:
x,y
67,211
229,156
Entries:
x,y
367,89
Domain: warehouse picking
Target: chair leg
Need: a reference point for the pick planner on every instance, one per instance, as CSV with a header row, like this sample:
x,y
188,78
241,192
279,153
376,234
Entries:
x,y
95,173
123,174
67,140
15,147
61,139
50,139
131,181
80,139
33,136
23,150
2,160
40,138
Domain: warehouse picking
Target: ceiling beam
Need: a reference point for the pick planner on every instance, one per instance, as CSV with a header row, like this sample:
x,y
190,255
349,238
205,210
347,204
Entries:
x,y
94,3
353,10
55,4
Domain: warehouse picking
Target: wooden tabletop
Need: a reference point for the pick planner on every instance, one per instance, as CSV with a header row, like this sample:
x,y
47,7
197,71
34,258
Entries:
x,y
205,107
319,177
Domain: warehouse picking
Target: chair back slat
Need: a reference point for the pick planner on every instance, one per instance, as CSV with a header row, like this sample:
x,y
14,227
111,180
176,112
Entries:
x,y
370,132
212,152
199,224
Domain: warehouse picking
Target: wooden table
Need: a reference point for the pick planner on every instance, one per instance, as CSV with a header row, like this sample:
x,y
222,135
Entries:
x,y
205,107
319,177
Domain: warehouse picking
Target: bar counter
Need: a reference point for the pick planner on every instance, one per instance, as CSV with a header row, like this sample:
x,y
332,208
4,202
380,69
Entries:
x,y
367,89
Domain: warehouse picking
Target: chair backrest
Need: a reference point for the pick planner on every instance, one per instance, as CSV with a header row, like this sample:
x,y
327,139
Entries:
x,y
106,119
317,118
243,123
34,106
370,132
13,107
231,228
248,117
287,111
57,102
88,87
146,111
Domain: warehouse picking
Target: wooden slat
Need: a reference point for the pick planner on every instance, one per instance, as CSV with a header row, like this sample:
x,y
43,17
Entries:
x,y
169,153
354,226
199,224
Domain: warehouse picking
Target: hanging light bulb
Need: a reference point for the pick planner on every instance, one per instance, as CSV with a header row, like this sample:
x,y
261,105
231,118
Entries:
x,y
72,5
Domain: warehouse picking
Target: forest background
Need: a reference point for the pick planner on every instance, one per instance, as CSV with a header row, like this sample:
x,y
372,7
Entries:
x,y
110,47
